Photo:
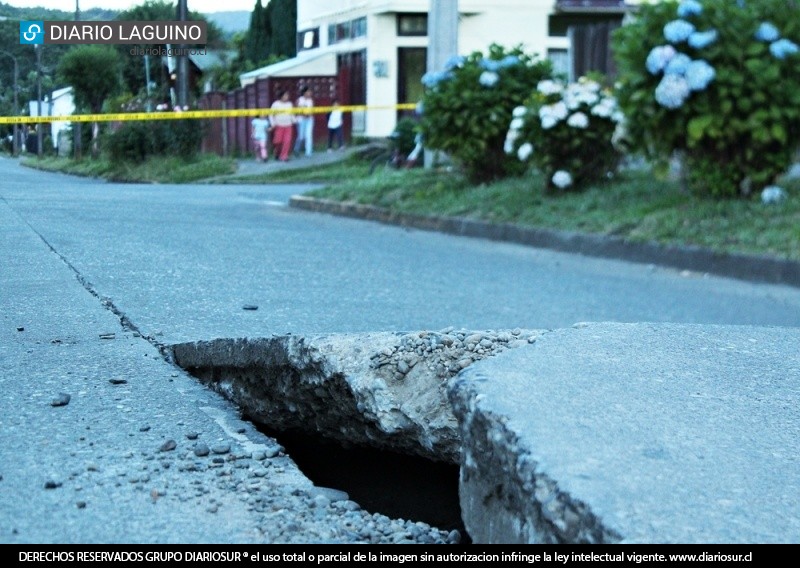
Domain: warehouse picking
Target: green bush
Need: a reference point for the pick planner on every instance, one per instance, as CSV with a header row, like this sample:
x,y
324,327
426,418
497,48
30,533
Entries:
x,y
567,132
135,141
716,82
467,108
404,134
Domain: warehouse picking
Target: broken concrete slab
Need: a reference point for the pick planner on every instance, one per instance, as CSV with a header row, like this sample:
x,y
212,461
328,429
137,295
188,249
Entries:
x,y
634,433
385,390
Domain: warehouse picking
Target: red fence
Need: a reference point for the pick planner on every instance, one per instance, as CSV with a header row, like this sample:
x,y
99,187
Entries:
x,y
231,136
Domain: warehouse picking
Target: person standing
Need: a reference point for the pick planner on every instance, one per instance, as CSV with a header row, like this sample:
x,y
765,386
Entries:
x,y
335,126
260,132
282,121
305,123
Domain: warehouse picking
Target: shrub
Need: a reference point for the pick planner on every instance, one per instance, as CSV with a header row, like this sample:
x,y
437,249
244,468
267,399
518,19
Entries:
x,y
404,134
467,108
135,141
567,131
715,81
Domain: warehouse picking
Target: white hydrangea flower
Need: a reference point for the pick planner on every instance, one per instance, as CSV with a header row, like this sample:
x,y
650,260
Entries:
x,y
578,120
549,121
525,151
772,194
489,78
516,124
519,112
605,107
551,114
562,179
511,137
549,87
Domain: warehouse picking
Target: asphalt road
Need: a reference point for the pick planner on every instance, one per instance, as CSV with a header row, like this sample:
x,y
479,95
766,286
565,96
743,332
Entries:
x,y
181,262
118,463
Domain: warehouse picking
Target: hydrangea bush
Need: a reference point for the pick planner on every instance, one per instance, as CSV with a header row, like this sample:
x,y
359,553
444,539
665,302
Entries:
x,y
468,107
717,82
567,132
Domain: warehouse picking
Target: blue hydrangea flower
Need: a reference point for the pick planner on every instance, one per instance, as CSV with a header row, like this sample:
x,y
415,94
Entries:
x,y
689,8
677,31
699,74
767,32
658,58
699,40
490,64
783,47
678,64
672,91
509,61
454,61
433,78
488,78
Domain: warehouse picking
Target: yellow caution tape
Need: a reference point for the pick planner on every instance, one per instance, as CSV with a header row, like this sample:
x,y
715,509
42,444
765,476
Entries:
x,y
188,114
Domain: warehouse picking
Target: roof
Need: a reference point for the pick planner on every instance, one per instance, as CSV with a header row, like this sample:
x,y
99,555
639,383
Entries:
x,y
212,59
60,93
592,6
304,65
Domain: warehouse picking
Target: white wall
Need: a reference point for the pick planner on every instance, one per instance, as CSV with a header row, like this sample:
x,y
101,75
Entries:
x,y
505,22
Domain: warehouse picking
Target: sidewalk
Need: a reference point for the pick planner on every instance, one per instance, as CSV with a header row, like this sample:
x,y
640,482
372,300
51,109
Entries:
x,y
251,167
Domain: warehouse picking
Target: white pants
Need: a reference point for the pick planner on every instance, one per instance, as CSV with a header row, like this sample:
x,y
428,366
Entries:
x,y
305,134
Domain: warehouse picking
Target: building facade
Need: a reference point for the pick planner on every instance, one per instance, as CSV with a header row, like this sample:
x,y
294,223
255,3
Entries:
x,y
377,49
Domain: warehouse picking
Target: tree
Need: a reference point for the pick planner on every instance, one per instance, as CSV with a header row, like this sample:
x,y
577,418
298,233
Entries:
x,y
283,27
257,42
156,11
93,73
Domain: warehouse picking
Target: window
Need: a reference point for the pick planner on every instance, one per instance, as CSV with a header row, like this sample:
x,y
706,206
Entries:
x,y
412,24
307,39
347,30
359,27
560,60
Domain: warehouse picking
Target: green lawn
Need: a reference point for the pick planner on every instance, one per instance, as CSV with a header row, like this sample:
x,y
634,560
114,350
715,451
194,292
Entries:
x,y
636,205
154,170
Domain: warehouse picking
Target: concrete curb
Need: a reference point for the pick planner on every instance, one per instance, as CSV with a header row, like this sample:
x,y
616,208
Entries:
x,y
744,267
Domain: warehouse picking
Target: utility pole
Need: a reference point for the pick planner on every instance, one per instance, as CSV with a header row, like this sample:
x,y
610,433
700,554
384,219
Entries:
x,y
77,127
442,41
15,144
183,61
40,124
149,103
442,33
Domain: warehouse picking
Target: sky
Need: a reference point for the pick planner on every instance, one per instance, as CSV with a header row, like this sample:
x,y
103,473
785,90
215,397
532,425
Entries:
x,y
202,6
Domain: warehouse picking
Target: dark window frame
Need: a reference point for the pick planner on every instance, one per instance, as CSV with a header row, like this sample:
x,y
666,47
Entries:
x,y
411,17
301,36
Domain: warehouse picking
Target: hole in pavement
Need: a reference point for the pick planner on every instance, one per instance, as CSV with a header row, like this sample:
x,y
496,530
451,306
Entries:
x,y
396,485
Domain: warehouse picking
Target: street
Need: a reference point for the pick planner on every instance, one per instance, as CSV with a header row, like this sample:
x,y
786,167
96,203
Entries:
x,y
181,262
105,441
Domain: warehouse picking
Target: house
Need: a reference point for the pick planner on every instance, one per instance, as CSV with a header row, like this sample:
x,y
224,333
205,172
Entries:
x,y
59,103
374,52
